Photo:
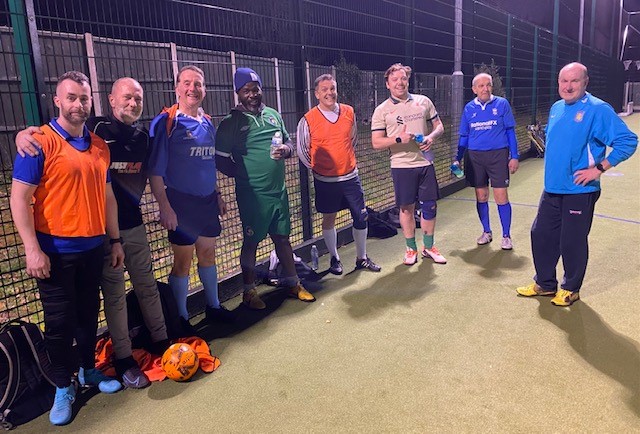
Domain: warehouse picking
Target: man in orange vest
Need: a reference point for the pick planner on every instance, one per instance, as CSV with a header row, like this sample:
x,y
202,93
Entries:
x,y
327,137
69,184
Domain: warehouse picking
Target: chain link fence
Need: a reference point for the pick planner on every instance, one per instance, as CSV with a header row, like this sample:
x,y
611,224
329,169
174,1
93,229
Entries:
x,y
288,44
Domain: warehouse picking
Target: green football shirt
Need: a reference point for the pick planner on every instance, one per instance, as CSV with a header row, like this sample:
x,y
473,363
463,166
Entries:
x,y
247,137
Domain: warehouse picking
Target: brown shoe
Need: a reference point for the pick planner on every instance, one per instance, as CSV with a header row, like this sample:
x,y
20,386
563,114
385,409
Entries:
x,y
301,294
252,300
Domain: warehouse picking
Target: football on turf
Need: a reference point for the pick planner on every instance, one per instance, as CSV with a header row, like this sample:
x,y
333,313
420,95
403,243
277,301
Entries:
x,y
180,362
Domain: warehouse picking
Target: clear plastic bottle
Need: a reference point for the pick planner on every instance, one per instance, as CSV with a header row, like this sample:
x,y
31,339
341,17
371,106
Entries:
x,y
276,141
315,257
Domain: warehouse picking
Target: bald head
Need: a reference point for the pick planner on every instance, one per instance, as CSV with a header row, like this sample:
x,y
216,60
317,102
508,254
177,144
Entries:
x,y
124,81
572,82
126,100
576,67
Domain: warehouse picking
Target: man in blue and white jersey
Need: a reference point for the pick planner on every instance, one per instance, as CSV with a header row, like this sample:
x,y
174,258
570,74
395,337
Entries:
x,y
580,128
183,179
487,130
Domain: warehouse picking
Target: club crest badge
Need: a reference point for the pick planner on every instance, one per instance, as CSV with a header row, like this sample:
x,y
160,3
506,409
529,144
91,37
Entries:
x,y
272,120
494,111
579,116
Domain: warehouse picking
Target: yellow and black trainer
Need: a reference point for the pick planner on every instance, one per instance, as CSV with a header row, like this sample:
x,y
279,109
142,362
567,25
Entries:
x,y
301,293
565,298
533,290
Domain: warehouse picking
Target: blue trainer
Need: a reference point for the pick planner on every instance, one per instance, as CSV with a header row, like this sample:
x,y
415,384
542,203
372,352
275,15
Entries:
x,y
61,411
94,377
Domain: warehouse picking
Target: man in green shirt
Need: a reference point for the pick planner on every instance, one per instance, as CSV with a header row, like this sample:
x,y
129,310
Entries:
x,y
244,151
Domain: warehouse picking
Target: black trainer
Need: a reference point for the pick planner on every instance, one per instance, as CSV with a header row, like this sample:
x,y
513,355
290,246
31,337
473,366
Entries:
x,y
336,266
221,315
159,347
130,373
134,378
187,328
367,264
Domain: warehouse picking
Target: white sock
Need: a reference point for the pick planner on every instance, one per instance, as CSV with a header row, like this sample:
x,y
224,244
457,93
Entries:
x,y
360,237
331,240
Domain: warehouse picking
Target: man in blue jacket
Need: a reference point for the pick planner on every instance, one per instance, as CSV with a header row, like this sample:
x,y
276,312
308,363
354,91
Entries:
x,y
580,128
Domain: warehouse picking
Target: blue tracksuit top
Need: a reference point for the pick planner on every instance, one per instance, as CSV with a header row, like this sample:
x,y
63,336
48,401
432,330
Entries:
x,y
486,125
576,138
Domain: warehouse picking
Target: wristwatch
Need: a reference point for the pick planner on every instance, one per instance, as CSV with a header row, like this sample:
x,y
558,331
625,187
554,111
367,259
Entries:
x,y
115,240
600,168
398,139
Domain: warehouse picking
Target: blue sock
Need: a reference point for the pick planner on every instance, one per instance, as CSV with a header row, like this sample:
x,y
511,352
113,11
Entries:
x,y
483,213
505,218
209,279
180,288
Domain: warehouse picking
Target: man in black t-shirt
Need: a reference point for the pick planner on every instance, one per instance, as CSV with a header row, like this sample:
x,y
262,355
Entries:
x,y
129,144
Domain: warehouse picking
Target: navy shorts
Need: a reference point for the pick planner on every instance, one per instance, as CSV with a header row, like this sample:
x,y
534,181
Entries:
x,y
415,184
484,166
332,197
197,217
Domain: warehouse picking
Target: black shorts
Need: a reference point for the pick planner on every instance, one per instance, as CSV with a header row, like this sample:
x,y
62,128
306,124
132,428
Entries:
x,y
197,217
484,166
415,184
332,197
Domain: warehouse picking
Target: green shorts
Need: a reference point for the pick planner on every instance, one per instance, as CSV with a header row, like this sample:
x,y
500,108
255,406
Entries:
x,y
263,214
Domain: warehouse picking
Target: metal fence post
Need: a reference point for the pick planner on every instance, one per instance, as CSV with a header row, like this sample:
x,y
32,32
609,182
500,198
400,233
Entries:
x,y
554,48
93,74
534,79
457,79
29,59
508,78
232,54
299,65
307,87
278,96
174,64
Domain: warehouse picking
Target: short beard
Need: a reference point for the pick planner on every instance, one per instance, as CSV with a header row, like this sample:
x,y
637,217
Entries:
x,y
74,121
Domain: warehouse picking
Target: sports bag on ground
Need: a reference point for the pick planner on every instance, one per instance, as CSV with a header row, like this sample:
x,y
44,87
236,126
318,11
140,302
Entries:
x,y
26,385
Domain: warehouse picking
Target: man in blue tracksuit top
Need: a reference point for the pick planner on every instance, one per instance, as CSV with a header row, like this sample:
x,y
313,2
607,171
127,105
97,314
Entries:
x,y
580,128
487,129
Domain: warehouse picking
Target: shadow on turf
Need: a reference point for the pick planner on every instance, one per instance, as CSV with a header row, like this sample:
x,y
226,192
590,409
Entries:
x,y
246,318
613,354
492,262
400,287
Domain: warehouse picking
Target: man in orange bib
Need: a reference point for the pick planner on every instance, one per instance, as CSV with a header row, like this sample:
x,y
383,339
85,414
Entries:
x,y
327,137
69,184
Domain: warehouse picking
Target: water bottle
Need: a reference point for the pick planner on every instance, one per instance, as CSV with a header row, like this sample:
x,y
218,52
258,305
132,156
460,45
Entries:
x,y
419,138
314,257
457,170
276,141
